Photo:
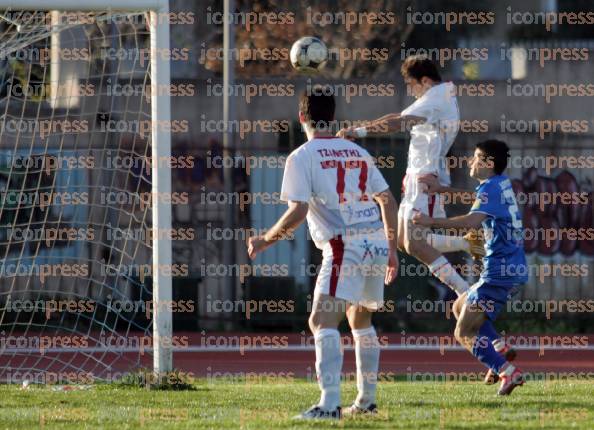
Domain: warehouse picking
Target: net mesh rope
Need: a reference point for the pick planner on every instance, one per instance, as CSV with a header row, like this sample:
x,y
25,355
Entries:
x,y
74,180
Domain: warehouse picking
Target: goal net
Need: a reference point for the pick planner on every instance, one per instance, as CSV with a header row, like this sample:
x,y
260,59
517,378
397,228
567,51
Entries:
x,y
78,179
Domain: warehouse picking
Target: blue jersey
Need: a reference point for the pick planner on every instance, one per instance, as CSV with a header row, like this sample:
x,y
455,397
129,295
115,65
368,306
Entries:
x,y
504,263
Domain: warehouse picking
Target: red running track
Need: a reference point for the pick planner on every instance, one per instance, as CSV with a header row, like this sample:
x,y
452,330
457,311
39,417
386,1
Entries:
x,y
245,354
432,354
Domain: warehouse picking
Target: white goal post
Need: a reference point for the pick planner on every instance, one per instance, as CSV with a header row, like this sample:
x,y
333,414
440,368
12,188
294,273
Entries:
x,y
161,149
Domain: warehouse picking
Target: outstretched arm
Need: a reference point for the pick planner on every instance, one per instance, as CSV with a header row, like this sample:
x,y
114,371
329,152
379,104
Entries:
x,y
387,124
284,227
468,221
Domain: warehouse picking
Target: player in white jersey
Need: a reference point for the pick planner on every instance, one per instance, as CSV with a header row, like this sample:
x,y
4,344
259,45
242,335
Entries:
x,y
434,118
335,184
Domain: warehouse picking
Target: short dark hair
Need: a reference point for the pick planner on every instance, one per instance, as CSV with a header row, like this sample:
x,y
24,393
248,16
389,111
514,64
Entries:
x,y
417,66
497,152
318,106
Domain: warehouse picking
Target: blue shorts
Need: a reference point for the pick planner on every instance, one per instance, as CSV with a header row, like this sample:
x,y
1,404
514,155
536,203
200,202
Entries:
x,y
490,298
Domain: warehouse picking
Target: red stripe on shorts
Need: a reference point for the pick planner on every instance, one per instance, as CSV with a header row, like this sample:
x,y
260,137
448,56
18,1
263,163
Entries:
x,y
337,246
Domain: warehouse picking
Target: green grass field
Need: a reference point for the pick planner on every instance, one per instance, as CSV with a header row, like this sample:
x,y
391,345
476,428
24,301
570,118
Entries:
x,y
241,405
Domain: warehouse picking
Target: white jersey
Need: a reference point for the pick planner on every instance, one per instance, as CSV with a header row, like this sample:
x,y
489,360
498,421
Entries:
x,y
337,178
431,141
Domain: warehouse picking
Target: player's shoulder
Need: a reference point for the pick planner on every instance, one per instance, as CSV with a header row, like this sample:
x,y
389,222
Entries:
x,y
439,96
495,185
445,90
499,182
297,151
300,152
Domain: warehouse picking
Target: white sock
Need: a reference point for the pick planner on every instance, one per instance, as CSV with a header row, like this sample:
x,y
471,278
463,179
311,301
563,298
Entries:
x,y
498,344
507,369
445,272
328,367
446,243
367,352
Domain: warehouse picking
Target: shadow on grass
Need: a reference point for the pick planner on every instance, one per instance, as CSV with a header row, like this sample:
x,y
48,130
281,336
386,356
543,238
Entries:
x,y
169,381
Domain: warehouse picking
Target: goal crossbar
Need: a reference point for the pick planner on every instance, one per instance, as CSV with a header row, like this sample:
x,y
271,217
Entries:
x,y
161,150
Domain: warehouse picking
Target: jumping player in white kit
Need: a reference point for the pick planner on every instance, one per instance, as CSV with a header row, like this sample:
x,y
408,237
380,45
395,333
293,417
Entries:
x,y
434,118
335,184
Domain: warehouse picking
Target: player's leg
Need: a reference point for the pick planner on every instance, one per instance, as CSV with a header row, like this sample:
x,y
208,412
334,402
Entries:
x,y
506,351
457,306
415,237
474,329
327,312
488,330
470,243
338,284
448,243
467,332
417,246
367,353
367,347
452,243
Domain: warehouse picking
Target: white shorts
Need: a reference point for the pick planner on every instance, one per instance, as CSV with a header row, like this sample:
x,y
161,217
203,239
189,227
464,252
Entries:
x,y
353,269
414,200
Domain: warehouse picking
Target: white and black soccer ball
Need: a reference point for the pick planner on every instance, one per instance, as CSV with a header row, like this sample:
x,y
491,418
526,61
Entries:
x,y
308,54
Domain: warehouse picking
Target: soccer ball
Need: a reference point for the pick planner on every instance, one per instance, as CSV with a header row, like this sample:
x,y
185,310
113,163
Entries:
x,y
308,54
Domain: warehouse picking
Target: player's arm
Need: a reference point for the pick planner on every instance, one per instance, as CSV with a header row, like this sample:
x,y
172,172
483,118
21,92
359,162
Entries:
x,y
296,190
284,228
387,124
389,208
468,221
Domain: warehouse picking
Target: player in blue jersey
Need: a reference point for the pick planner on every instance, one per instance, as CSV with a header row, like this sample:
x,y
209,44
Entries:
x,y
504,265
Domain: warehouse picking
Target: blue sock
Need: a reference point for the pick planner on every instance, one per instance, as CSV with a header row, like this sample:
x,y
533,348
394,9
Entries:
x,y
484,350
488,330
